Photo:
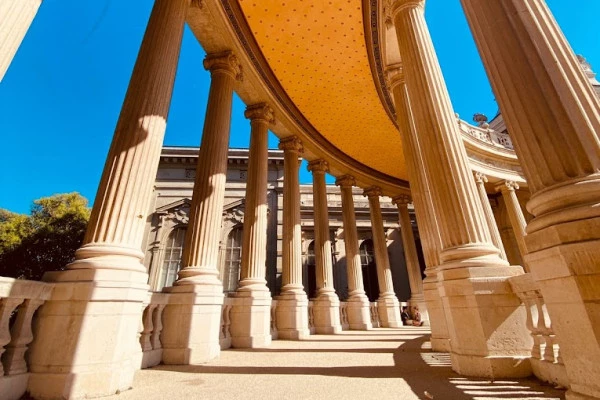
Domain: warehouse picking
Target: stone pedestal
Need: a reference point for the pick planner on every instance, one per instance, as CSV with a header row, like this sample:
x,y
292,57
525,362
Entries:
x,y
481,311
191,325
292,303
87,340
251,312
387,304
359,314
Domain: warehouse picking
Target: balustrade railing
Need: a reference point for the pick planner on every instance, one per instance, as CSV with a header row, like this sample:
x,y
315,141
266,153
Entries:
x,y
374,315
545,360
274,333
311,317
344,315
225,333
486,135
19,300
151,328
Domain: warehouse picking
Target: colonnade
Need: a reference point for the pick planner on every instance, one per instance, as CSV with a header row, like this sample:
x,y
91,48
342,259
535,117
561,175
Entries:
x,y
554,121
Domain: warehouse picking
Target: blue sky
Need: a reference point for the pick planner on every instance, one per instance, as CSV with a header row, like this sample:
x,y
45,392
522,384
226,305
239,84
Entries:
x,y
61,97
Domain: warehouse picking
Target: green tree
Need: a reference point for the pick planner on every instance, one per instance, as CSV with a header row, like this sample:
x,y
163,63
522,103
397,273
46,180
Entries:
x,y
44,241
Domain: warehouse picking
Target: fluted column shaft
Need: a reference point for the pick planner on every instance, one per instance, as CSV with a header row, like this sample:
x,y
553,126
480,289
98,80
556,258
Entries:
x,y
515,215
291,277
480,180
254,246
322,236
353,265
118,217
410,248
384,273
16,17
428,226
464,234
553,117
201,248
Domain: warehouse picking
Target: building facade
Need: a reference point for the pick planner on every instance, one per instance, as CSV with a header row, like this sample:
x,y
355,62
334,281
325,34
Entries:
x,y
167,223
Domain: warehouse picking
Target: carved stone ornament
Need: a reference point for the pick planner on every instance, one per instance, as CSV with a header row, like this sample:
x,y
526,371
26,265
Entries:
x,y
180,215
235,216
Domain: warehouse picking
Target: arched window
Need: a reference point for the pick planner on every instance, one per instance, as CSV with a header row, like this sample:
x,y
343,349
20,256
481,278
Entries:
x,y
311,269
172,259
369,269
233,259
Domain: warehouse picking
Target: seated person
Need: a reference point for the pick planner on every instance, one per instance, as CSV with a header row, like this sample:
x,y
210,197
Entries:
x,y
416,317
405,316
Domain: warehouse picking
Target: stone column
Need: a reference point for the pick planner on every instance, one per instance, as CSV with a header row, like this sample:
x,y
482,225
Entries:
x,y
553,117
413,266
387,304
99,297
469,260
359,314
193,317
327,304
16,17
292,303
480,180
251,313
515,215
428,226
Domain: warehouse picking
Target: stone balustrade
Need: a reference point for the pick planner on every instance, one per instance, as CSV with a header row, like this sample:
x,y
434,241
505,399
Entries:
x,y
19,300
311,317
225,334
274,334
344,315
152,326
486,135
545,360
374,315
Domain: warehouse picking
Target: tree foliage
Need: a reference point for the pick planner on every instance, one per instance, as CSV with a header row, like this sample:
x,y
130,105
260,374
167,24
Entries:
x,y
44,241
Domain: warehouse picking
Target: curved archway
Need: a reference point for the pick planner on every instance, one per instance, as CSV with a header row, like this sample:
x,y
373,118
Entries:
x,y
233,259
369,269
172,258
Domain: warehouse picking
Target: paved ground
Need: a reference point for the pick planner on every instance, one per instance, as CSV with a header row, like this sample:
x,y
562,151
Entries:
x,y
380,364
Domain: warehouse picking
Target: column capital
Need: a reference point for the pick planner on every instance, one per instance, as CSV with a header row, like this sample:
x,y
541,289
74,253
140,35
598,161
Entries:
x,y
373,191
318,166
402,200
394,75
400,5
345,181
480,177
260,112
225,61
507,186
291,143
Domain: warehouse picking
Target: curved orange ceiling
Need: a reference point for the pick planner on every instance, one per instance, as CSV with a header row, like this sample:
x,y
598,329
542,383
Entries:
x,y
317,52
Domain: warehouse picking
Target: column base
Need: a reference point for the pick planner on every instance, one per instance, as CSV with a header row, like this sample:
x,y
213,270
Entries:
x,y
292,316
93,321
326,309
573,395
486,322
490,367
359,313
440,339
191,324
389,312
251,319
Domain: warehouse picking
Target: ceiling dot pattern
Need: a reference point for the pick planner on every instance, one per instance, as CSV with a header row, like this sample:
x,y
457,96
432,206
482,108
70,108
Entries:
x,y
317,52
